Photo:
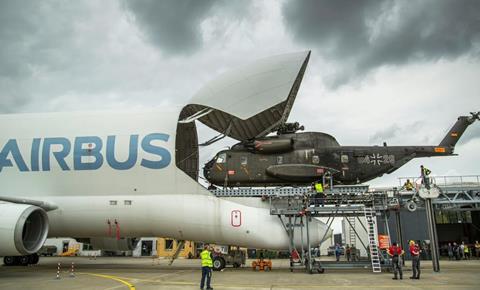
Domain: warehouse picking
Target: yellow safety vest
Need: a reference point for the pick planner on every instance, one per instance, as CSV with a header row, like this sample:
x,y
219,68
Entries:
x,y
319,187
408,186
206,259
426,171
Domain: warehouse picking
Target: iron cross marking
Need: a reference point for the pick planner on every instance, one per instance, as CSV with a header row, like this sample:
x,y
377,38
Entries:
x,y
376,159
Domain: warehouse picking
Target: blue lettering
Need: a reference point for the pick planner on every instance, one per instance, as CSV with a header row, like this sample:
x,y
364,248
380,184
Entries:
x,y
59,156
94,145
34,154
156,150
132,153
12,147
87,153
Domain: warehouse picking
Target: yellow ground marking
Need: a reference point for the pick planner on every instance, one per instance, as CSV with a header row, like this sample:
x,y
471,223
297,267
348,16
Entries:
x,y
118,279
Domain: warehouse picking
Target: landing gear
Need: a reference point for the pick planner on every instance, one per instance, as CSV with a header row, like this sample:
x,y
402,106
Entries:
x,y
316,267
21,260
33,259
9,260
218,263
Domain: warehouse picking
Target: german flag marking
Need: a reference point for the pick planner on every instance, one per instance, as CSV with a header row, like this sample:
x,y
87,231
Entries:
x,y
439,149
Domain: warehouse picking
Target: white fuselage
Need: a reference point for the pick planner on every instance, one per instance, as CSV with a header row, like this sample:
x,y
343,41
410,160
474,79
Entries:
x,y
114,174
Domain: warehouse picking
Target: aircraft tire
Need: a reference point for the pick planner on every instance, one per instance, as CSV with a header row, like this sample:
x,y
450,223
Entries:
x,y
9,260
33,259
24,260
218,263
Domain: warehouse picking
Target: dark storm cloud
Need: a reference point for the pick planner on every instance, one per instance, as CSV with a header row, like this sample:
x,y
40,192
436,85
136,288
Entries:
x,y
39,51
365,34
394,133
172,25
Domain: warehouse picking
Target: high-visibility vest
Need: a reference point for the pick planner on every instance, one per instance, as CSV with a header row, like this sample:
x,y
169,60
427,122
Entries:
x,y
408,185
206,259
318,187
426,171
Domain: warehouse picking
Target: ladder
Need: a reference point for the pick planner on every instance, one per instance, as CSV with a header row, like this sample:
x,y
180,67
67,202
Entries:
x,y
371,219
179,248
351,232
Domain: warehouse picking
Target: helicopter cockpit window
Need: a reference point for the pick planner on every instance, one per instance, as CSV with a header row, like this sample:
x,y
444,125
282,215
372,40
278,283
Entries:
x,y
315,159
344,158
243,160
222,157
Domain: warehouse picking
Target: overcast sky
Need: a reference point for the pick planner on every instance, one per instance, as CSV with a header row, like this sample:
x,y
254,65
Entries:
x,y
394,71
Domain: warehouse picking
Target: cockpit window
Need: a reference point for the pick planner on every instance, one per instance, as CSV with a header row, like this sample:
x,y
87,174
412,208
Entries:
x,y
222,157
243,160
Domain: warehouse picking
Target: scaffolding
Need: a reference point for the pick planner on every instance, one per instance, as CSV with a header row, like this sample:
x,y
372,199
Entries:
x,y
295,206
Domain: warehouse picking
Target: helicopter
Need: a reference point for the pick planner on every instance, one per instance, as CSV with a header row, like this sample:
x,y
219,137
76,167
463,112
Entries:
x,y
300,158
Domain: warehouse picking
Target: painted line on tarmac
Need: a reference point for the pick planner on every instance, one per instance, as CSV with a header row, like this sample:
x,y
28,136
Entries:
x,y
129,285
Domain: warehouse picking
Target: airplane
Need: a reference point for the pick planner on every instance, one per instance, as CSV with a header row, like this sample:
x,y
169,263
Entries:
x,y
300,158
109,177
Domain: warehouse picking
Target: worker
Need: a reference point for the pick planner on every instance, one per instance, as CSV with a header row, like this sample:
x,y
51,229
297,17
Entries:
x,y
408,185
466,252
415,253
207,265
396,252
319,193
348,253
338,252
425,174
318,187
477,249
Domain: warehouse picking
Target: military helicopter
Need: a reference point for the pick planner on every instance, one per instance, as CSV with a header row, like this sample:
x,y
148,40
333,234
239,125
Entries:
x,y
300,158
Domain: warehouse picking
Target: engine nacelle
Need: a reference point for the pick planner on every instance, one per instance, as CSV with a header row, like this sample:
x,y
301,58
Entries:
x,y
112,244
270,146
23,229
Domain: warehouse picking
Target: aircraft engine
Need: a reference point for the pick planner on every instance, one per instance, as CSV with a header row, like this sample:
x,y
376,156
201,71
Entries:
x,y
112,244
270,146
23,229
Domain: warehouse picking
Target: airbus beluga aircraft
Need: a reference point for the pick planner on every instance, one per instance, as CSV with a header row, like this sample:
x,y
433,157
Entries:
x,y
110,177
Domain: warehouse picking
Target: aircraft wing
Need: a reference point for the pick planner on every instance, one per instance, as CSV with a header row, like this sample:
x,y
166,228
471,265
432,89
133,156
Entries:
x,y
42,204
250,101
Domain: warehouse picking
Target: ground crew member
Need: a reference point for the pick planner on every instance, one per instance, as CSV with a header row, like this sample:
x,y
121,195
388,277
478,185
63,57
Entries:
x,y
348,253
318,187
207,265
319,190
408,185
466,251
415,253
338,252
395,252
425,172
477,249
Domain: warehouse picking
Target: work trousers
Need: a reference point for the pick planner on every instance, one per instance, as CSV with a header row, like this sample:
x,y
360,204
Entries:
x,y
397,267
416,266
426,181
206,273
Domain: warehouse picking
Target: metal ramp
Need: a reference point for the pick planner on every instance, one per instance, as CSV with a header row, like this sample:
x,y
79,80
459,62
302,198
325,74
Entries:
x,y
371,219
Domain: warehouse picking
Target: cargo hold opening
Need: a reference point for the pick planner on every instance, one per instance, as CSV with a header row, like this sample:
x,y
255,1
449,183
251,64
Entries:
x,y
186,147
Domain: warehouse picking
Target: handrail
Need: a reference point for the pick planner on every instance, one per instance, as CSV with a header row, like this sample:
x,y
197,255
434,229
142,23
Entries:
x,y
447,180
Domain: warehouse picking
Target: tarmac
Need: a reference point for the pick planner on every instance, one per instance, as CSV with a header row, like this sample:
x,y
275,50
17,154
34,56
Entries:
x,y
127,273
